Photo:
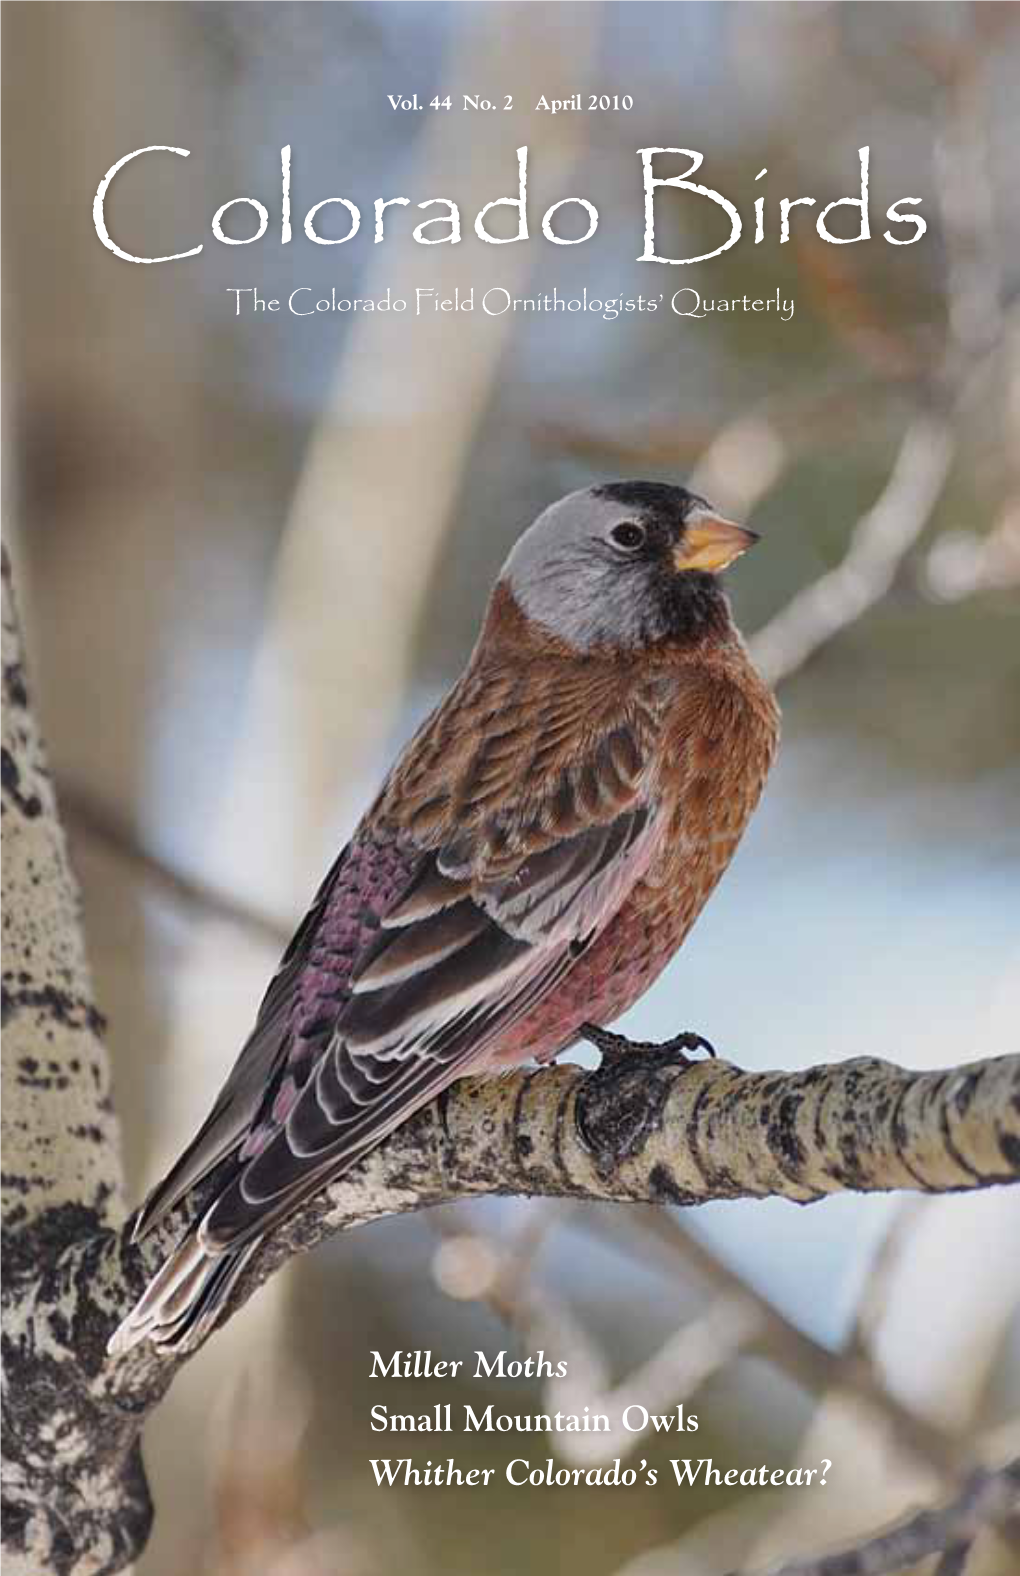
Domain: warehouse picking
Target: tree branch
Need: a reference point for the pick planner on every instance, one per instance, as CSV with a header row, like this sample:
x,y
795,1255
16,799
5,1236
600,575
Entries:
x,y
638,1130
809,1363
648,1130
881,539
987,1499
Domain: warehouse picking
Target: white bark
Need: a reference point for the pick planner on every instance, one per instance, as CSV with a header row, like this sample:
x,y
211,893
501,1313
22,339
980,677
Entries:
x,y
71,1498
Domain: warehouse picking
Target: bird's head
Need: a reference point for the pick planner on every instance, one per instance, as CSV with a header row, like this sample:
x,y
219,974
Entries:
x,y
627,565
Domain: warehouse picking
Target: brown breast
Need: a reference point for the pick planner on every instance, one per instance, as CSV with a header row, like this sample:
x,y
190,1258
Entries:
x,y
718,743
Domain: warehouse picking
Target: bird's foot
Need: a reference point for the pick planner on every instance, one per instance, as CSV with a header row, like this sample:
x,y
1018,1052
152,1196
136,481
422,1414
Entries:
x,y
614,1046
621,1102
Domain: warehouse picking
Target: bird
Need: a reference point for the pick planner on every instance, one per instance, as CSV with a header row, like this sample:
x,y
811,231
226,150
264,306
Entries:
x,y
535,857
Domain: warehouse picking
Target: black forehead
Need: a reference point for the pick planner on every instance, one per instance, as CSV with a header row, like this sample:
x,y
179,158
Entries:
x,y
657,501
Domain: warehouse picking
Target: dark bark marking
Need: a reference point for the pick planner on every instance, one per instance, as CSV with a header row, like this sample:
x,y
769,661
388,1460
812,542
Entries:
x,y
950,1144
620,1104
29,804
71,1012
663,1188
900,1137
15,688
1009,1148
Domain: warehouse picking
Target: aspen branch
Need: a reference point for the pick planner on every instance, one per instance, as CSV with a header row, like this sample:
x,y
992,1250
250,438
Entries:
x,y
642,1129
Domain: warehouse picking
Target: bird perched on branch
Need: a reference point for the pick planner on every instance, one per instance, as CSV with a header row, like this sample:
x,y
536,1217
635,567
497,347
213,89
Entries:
x,y
534,859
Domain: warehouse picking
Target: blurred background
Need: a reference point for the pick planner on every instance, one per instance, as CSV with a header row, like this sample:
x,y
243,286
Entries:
x,y
253,550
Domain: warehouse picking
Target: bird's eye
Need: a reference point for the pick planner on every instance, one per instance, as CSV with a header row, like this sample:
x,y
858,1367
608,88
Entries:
x,y
628,535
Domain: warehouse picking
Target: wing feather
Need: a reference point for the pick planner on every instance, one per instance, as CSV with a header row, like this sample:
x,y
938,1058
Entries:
x,y
473,892
406,1033
238,1103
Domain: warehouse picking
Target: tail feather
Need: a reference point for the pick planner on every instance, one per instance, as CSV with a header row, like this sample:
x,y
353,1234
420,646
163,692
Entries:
x,y
184,1300
220,1134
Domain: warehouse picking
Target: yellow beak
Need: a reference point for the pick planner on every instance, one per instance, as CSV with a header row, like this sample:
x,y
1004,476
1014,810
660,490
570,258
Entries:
x,y
710,542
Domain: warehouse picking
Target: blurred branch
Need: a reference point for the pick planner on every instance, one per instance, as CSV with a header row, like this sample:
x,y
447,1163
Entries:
x,y
86,816
962,564
817,1368
879,543
967,208
497,1275
782,426
987,1499
673,1373
975,330
741,1319
873,1302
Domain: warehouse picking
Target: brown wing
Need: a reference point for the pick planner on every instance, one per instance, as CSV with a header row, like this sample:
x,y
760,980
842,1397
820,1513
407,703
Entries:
x,y
533,813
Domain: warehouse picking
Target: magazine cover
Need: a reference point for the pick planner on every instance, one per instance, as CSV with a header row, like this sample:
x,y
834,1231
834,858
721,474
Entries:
x,y
510,773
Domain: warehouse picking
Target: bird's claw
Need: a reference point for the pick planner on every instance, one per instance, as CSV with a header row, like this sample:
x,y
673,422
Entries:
x,y
687,1040
613,1045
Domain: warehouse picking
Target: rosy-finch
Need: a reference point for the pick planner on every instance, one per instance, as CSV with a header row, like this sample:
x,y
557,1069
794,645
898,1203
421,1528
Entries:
x,y
534,859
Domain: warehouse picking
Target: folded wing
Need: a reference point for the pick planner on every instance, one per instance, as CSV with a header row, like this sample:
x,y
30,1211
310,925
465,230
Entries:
x,y
455,963
464,898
